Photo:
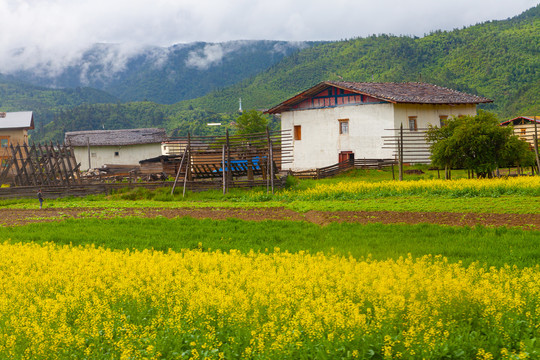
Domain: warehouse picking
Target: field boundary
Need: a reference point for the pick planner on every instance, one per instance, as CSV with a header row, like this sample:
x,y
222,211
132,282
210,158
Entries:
x,y
79,190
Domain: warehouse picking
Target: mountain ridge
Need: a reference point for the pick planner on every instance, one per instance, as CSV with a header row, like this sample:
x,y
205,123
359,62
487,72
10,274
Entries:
x,y
495,59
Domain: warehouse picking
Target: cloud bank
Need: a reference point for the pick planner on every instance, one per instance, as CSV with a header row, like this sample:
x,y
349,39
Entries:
x,y
46,36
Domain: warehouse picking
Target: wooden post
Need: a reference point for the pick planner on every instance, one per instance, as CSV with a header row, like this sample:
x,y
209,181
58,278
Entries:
x,y
67,158
52,172
74,161
400,152
229,165
179,170
271,159
23,165
223,171
40,169
536,144
18,172
29,163
188,169
63,169
250,168
187,174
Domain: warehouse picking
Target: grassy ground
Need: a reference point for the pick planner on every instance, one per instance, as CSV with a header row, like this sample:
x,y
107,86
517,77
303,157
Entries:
x,y
493,247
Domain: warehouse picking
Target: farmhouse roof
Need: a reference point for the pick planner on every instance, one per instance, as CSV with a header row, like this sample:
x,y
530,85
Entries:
x,y
116,137
404,93
515,121
17,120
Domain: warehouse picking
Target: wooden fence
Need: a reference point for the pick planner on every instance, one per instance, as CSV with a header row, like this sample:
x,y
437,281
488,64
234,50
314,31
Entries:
x,y
40,165
230,160
344,166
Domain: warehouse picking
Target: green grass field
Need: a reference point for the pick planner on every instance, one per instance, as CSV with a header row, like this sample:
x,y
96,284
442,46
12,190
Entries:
x,y
489,246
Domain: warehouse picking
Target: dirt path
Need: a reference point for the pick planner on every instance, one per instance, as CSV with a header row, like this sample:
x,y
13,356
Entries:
x,y
14,217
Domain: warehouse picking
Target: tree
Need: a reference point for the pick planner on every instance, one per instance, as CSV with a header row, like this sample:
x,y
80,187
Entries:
x,y
476,143
251,121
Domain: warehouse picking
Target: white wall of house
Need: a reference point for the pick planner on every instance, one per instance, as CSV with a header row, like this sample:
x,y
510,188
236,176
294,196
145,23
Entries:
x,y
429,114
321,141
117,155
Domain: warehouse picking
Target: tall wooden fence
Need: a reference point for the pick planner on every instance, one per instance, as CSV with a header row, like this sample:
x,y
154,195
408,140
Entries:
x,y
40,165
230,159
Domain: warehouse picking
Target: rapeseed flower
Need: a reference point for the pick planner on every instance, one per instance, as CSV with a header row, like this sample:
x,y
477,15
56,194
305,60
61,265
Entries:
x,y
61,302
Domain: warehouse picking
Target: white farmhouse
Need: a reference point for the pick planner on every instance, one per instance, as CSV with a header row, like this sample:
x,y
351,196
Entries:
x,y
96,148
336,120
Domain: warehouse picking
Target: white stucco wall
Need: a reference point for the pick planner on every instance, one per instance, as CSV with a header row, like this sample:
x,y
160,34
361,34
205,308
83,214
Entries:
x,y
127,155
321,141
429,114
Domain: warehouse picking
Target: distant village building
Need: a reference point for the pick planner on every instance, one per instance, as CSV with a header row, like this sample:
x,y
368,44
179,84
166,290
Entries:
x,y
14,128
524,127
96,148
335,120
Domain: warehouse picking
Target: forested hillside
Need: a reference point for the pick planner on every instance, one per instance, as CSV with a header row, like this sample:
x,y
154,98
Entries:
x,y
167,75
17,96
498,59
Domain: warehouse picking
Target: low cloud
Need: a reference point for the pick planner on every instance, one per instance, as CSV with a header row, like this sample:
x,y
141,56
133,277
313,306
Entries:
x,y
47,36
202,59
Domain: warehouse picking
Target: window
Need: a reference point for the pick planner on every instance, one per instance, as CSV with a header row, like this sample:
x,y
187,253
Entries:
x,y
116,153
297,132
412,123
523,132
443,119
93,154
4,163
344,126
4,142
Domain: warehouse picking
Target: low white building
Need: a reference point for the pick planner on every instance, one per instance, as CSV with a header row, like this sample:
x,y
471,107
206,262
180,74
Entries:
x,y
336,120
96,148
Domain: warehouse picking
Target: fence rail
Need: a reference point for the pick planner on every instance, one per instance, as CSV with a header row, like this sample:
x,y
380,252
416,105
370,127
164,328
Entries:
x,y
344,166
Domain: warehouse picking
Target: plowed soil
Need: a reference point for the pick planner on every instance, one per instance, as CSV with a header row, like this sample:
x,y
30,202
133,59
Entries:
x,y
14,217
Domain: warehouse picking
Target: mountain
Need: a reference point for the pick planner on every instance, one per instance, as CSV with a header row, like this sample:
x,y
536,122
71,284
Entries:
x,y
18,96
165,75
496,59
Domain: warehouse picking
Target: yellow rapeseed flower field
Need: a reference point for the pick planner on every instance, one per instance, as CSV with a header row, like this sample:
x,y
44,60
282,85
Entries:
x,y
350,189
59,302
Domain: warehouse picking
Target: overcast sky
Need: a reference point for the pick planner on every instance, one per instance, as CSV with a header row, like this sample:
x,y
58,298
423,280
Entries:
x,y
53,33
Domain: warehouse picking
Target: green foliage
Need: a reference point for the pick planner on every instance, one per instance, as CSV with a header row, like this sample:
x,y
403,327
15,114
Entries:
x,y
517,152
251,121
477,143
15,96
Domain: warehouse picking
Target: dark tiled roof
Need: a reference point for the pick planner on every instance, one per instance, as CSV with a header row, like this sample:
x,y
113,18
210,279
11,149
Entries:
x,y
404,93
116,137
413,92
